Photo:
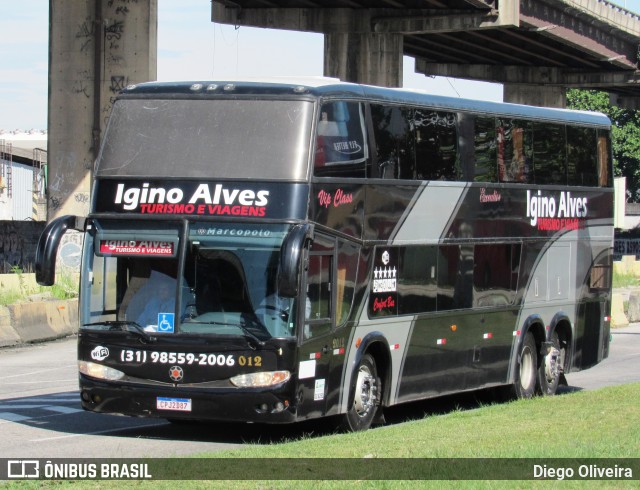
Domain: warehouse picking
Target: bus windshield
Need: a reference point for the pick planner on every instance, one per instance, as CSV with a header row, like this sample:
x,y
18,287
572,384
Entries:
x,y
227,285
235,138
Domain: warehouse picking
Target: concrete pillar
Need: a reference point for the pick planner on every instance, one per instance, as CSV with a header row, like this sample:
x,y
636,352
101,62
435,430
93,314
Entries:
x,y
539,95
369,58
626,102
96,48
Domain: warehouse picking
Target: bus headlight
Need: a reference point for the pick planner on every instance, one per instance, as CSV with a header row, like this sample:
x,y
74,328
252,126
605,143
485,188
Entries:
x,y
256,380
99,371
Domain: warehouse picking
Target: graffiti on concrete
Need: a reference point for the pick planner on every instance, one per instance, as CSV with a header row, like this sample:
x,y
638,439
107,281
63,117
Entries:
x,y
81,197
85,34
18,245
118,83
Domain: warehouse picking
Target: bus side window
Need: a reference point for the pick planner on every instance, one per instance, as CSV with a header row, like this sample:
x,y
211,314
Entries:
x,y
600,277
604,175
455,277
347,268
341,149
394,142
417,279
436,145
318,306
582,156
495,274
549,154
515,150
485,168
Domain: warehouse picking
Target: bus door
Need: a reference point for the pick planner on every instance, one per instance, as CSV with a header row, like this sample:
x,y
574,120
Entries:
x,y
317,333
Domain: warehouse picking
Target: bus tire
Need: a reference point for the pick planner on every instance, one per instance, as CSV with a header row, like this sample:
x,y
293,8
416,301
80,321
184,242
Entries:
x,y
366,396
550,369
526,369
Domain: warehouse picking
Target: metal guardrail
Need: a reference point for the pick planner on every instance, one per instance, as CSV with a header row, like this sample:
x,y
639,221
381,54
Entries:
x,y
608,12
620,9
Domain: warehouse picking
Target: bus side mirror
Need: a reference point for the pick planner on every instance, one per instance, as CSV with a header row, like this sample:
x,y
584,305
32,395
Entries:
x,y
48,246
290,259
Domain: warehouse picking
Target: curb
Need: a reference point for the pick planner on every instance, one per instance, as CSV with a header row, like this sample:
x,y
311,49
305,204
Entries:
x,y
38,321
618,316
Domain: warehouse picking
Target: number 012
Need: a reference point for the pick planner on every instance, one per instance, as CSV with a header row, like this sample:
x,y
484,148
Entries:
x,y
250,361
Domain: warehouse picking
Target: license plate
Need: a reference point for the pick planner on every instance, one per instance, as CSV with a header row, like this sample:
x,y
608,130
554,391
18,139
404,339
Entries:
x,y
175,404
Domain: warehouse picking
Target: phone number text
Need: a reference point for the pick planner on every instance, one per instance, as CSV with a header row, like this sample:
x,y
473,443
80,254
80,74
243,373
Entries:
x,y
188,358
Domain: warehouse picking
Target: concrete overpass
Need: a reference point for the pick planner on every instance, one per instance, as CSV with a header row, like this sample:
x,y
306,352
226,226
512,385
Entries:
x,y
537,48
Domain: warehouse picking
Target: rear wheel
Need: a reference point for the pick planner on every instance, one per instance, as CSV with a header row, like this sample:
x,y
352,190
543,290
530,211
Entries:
x,y
366,396
526,369
550,368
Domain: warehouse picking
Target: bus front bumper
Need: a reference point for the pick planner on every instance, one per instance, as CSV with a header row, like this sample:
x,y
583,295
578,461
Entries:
x,y
175,402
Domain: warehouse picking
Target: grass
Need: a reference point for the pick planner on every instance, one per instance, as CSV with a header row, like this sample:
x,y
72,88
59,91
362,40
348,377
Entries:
x,y
602,423
591,424
625,280
66,287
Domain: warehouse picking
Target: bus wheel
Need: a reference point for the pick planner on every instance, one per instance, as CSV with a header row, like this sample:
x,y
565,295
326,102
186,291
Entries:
x,y
550,369
526,371
366,396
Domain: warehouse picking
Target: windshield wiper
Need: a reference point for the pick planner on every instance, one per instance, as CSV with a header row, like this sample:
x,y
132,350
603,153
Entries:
x,y
249,334
125,326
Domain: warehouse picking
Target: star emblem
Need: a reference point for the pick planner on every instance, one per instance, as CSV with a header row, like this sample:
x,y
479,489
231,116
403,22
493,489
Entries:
x,y
176,373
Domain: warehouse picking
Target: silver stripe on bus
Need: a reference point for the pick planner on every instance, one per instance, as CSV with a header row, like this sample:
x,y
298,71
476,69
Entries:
x,y
424,215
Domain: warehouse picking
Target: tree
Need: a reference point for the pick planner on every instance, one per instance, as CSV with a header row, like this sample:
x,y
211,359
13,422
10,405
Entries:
x,y
625,135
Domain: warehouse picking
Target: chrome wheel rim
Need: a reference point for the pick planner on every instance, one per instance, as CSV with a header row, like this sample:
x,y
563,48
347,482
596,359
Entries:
x,y
365,394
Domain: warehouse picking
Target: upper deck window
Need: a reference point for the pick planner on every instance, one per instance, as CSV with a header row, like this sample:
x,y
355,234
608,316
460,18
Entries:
x,y
436,145
211,138
341,148
605,179
582,167
515,150
415,143
410,142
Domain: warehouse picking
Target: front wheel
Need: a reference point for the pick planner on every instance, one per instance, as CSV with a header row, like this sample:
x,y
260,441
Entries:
x,y
366,396
526,369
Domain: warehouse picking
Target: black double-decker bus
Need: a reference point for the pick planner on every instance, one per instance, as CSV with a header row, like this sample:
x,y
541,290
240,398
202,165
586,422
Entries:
x,y
275,252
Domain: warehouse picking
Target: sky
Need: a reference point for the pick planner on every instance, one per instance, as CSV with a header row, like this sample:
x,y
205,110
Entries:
x,y
190,47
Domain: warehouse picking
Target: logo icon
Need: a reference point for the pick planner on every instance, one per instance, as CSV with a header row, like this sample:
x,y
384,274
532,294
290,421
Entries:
x,y
385,257
166,322
23,468
176,373
99,353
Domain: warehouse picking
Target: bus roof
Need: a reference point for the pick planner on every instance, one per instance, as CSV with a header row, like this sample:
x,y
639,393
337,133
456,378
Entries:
x,y
322,87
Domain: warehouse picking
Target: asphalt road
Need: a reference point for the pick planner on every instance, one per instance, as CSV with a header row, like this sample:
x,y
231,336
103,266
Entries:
x,y
40,414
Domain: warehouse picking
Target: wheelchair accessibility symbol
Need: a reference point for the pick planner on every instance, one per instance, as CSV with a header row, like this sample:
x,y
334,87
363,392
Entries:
x,y
166,322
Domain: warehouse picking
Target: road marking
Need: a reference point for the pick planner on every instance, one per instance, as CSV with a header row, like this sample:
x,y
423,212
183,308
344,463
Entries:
x,y
22,406
63,409
45,381
40,371
13,417
59,403
38,400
